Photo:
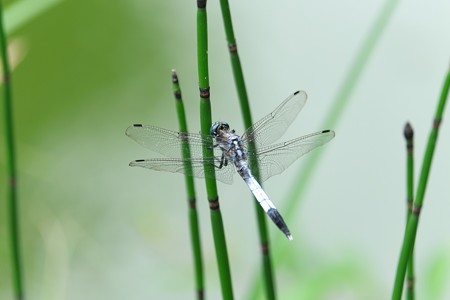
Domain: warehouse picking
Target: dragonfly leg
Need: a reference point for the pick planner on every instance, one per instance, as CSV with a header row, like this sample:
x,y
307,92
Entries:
x,y
223,162
213,146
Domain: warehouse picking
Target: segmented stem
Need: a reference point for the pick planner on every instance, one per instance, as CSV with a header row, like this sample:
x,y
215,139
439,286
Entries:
x,y
190,189
269,282
409,137
206,121
413,220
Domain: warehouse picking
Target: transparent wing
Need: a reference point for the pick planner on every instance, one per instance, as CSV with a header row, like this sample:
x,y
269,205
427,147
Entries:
x,y
174,165
274,159
270,128
168,142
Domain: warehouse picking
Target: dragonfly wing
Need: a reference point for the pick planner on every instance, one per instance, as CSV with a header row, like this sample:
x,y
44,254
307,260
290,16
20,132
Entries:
x,y
167,142
270,128
191,167
274,159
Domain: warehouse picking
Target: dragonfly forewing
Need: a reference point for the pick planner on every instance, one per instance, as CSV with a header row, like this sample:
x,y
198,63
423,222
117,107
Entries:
x,y
270,128
168,142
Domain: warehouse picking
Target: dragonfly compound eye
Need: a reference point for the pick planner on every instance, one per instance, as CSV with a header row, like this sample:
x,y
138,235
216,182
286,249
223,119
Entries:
x,y
218,127
224,126
214,127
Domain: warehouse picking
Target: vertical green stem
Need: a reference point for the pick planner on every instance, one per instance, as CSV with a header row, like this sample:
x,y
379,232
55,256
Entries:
x,y
247,118
11,166
206,122
409,137
342,98
189,179
413,220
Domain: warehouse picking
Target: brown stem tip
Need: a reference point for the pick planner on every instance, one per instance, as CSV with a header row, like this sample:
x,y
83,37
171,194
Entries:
x,y
408,132
201,3
174,76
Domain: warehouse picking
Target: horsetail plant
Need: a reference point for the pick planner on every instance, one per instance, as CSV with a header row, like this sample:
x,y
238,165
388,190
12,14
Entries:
x,y
413,220
247,118
206,121
13,218
190,189
409,137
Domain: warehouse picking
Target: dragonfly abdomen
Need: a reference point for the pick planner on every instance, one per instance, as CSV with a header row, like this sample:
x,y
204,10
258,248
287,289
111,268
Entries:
x,y
264,201
278,220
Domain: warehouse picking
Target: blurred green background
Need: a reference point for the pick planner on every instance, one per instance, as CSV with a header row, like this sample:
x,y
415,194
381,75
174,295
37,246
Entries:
x,y
94,228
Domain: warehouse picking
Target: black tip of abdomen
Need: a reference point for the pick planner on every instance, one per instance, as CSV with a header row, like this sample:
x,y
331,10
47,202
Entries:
x,y
278,220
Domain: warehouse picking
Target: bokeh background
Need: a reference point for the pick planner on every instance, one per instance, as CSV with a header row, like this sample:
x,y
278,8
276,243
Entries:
x,y
94,228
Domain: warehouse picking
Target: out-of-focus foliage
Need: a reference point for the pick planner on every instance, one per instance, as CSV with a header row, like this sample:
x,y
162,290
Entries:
x,y
93,228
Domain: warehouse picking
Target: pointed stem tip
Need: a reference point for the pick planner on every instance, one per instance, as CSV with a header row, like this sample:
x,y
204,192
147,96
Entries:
x,y
174,76
408,131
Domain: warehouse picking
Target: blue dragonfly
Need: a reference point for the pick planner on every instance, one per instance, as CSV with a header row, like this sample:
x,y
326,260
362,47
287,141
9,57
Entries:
x,y
232,153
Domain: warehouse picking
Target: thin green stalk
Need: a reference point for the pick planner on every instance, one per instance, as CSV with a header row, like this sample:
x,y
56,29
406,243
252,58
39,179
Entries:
x,y
409,137
206,121
21,12
11,167
413,220
340,103
247,118
190,189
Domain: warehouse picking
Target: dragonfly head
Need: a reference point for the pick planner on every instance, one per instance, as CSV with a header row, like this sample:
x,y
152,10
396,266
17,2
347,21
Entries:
x,y
219,128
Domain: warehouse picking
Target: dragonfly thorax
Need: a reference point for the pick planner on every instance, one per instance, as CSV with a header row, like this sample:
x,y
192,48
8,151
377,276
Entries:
x,y
222,134
231,144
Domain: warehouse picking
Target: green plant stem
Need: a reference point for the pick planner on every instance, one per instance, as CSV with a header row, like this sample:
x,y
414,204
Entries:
x,y
413,220
206,122
11,167
409,137
340,103
190,189
247,118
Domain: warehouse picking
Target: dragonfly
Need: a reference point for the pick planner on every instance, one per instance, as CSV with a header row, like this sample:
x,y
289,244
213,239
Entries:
x,y
232,152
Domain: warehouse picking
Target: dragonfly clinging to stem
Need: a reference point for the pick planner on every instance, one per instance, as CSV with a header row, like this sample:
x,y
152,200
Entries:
x,y
232,152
